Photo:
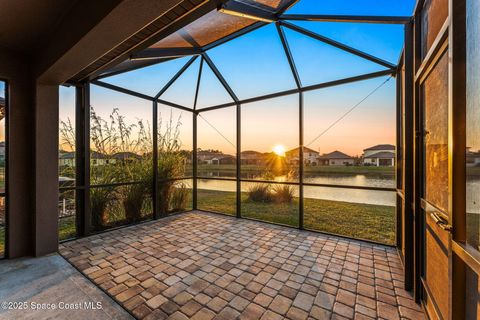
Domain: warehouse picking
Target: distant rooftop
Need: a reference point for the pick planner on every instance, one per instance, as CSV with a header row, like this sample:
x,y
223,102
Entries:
x,y
381,147
382,155
335,155
305,149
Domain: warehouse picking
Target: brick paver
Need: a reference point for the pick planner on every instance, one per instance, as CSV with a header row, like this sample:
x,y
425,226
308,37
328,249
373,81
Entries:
x,y
203,266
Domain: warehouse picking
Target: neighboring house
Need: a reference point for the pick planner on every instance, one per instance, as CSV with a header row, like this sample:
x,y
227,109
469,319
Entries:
x,y
379,155
206,156
336,158
473,158
214,157
224,159
66,158
310,156
98,159
217,160
124,157
251,157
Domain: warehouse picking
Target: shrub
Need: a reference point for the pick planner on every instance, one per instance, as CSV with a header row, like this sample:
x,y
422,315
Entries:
x,y
283,193
113,136
180,197
171,161
266,193
100,199
170,166
133,198
260,193
134,195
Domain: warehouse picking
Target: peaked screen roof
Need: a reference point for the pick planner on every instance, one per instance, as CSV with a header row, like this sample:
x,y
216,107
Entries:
x,y
224,58
215,25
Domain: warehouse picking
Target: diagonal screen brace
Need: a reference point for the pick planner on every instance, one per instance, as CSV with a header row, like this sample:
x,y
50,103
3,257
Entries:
x,y
244,10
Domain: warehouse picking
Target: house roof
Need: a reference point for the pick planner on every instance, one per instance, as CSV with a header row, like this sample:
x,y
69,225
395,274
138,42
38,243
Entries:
x,y
208,152
224,156
381,147
305,149
208,157
335,155
382,155
126,155
251,152
97,155
67,155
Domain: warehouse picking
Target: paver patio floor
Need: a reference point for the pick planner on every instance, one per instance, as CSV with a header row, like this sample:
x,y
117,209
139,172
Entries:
x,y
202,266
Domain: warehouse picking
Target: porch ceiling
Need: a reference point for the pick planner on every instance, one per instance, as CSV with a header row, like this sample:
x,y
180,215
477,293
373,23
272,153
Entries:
x,y
25,24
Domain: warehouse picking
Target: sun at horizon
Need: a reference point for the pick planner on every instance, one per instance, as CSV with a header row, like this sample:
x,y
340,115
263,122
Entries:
x,y
279,150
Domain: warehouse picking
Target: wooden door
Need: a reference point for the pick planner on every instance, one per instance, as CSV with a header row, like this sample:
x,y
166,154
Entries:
x,y
435,197
447,183
432,189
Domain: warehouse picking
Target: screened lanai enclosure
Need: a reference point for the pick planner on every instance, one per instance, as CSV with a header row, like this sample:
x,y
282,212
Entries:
x,y
268,115
241,158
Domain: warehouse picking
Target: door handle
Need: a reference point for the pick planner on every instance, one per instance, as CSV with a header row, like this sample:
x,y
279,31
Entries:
x,y
440,221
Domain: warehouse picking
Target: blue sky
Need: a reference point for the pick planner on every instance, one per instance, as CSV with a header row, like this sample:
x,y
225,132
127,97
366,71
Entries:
x,y
355,7
255,64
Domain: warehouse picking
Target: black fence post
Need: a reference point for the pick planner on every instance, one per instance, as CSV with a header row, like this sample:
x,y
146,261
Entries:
x,y
239,161
82,159
194,161
155,160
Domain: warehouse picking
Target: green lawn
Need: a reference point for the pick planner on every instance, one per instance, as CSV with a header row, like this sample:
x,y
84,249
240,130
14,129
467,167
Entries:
x,y
362,221
66,228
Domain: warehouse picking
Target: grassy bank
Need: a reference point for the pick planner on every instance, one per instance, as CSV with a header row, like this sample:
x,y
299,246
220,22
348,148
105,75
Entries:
x,y
362,221
308,169
66,228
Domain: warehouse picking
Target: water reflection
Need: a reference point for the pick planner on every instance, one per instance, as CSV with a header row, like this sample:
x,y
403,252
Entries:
x,y
379,180
386,198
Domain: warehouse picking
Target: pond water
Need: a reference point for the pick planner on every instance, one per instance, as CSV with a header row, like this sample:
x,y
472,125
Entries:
x,y
327,193
380,180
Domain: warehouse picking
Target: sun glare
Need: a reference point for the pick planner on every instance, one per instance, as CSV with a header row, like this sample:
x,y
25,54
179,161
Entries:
x,y
279,150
